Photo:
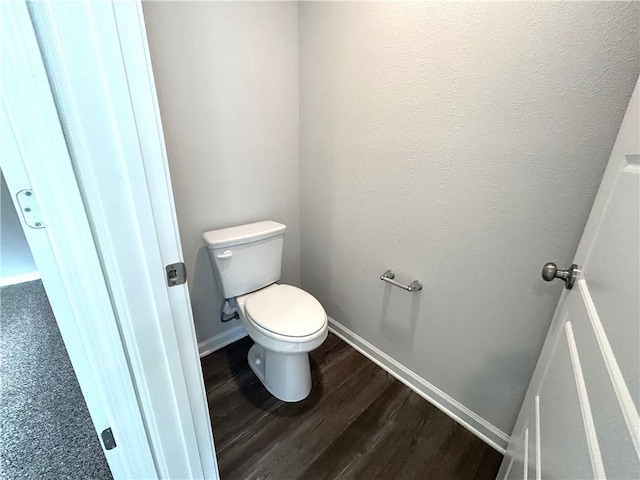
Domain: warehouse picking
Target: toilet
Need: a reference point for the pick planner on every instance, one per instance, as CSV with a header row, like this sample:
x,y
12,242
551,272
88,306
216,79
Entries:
x,y
284,321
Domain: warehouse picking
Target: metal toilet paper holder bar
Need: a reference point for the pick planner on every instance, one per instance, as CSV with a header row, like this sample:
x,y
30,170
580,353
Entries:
x,y
389,276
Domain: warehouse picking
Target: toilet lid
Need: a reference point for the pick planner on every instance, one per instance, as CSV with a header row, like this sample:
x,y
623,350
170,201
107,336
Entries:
x,y
286,310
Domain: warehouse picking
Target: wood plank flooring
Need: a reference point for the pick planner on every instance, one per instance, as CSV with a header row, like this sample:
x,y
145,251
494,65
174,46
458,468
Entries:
x,y
358,423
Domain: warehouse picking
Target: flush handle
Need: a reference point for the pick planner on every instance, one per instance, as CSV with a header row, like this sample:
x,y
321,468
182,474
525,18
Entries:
x,y
550,271
224,255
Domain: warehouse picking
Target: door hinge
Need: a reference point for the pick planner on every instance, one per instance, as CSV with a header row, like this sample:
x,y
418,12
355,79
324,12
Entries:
x,y
29,209
107,439
176,274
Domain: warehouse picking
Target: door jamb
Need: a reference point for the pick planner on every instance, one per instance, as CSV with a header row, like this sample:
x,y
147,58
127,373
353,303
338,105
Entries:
x,y
174,425
34,157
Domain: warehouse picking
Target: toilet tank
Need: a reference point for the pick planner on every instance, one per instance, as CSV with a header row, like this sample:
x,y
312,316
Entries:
x,y
247,257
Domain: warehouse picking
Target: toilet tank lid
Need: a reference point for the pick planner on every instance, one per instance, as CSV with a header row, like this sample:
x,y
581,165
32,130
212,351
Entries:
x,y
252,232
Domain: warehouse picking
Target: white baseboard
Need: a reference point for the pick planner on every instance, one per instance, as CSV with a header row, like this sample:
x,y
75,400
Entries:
x,y
458,412
223,339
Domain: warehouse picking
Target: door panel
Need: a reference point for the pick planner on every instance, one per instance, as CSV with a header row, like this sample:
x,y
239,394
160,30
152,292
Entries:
x,y
517,466
610,276
561,417
618,453
532,455
587,381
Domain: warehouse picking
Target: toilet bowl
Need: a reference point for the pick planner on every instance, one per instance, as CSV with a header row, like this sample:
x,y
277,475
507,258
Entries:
x,y
284,321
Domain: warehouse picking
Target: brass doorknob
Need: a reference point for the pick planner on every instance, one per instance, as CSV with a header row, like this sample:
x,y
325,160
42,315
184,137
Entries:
x,y
550,271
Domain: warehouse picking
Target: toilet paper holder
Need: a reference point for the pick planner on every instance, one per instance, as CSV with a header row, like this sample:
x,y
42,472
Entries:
x,y
389,276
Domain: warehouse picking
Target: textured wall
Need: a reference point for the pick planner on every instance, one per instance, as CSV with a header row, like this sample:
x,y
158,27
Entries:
x,y
460,144
227,81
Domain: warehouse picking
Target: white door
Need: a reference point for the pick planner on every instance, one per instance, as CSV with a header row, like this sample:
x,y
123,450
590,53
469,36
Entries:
x,y
33,157
580,418
80,128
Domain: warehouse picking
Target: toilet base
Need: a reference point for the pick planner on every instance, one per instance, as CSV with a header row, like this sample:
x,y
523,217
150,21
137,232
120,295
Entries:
x,y
287,376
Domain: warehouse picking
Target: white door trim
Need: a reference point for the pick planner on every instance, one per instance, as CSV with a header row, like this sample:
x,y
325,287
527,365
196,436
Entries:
x,y
34,156
98,66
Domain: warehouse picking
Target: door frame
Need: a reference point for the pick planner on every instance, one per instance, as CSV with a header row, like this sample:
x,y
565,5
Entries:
x,y
34,157
130,337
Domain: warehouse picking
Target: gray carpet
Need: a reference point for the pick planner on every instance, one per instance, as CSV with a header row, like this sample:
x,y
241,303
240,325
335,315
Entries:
x,y
45,428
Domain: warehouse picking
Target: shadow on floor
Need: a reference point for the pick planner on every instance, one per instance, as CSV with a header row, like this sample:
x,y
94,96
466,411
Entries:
x,y
255,392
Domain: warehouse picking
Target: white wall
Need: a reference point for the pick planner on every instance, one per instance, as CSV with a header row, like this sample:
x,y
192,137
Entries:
x,y
462,145
227,80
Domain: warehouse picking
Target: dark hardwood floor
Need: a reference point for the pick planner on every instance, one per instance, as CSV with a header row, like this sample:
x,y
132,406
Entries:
x,y
358,423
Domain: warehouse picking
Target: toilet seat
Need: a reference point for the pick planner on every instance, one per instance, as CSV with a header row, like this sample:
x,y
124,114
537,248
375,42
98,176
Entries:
x,y
286,311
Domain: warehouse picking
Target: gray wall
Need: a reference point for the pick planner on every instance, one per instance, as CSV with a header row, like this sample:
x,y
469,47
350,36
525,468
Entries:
x,y
462,145
227,81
